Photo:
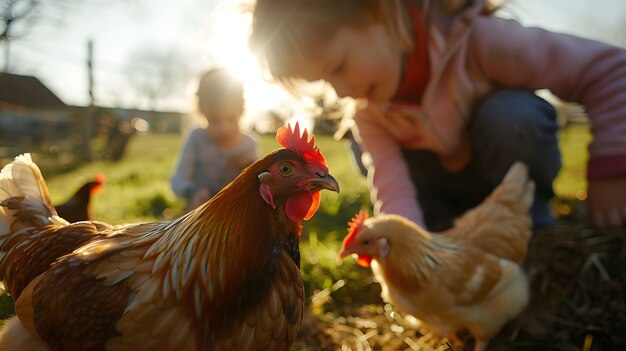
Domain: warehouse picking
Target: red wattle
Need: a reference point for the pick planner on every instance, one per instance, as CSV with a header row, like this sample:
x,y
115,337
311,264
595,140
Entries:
x,y
364,261
314,205
302,206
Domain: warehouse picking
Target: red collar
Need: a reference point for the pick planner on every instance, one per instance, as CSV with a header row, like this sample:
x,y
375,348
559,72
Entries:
x,y
417,67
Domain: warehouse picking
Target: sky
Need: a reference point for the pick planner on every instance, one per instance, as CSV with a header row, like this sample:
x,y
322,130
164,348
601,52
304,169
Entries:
x,y
191,35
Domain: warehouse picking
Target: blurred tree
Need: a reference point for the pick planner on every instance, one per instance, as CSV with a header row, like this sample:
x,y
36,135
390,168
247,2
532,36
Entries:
x,y
17,18
12,12
16,11
158,73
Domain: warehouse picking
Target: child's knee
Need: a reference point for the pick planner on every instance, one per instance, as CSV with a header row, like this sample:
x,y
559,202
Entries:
x,y
515,115
515,125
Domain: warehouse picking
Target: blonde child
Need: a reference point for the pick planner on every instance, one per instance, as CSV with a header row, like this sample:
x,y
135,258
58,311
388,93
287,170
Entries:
x,y
450,98
214,155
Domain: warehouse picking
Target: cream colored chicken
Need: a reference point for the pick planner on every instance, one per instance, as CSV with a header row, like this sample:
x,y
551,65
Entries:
x,y
466,278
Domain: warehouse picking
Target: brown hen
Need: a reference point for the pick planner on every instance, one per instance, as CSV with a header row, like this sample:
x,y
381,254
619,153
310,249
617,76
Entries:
x,y
222,277
78,207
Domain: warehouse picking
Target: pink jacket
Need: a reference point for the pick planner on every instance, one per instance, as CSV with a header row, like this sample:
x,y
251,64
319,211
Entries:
x,y
471,56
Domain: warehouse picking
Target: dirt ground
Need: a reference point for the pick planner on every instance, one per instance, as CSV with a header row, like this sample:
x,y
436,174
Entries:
x,y
578,281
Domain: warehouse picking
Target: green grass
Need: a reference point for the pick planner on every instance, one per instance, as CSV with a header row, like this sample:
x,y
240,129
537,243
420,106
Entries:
x,y
137,187
571,182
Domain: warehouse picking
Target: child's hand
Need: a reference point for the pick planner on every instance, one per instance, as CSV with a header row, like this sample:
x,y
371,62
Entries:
x,y
407,123
607,202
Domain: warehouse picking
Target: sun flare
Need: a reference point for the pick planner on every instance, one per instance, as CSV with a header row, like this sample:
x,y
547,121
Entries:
x,y
230,50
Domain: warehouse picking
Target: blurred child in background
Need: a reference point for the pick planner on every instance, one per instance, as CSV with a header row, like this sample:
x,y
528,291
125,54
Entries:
x,y
450,98
214,155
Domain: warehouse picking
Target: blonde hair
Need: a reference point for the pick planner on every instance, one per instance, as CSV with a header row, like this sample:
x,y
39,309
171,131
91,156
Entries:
x,y
284,32
214,86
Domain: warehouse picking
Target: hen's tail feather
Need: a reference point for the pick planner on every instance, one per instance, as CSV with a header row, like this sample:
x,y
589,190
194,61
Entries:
x,y
24,199
516,189
501,223
22,177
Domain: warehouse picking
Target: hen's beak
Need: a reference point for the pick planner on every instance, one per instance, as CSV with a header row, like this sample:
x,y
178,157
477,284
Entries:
x,y
345,252
324,181
361,260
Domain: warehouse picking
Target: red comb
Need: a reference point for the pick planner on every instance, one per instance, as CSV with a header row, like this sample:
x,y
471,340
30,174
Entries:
x,y
100,178
354,226
99,183
291,139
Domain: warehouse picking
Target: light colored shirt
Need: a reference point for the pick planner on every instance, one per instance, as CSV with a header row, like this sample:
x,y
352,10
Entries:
x,y
202,164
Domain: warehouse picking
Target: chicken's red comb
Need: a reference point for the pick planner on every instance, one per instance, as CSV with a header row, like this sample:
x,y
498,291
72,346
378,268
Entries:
x,y
100,178
291,139
354,226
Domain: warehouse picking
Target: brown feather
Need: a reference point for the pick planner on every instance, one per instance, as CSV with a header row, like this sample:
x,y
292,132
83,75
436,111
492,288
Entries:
x,y
32,253
24,309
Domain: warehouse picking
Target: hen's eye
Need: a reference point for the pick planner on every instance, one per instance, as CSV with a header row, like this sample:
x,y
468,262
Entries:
x,y
366,242
285,169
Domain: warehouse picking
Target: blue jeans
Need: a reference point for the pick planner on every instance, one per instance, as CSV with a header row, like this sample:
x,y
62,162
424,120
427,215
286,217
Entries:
x,y
507,126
